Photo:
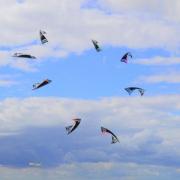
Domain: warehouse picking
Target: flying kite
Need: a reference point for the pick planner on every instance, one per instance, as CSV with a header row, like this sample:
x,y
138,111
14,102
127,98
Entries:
x,y
21,55
125,57
42,37
71,128
114,137
96,46
131,89
43,83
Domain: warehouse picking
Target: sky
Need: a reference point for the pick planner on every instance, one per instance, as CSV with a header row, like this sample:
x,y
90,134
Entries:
x,y
90,85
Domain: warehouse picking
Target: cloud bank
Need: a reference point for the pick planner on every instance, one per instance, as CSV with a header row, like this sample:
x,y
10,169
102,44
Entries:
x,y
147,128
71,26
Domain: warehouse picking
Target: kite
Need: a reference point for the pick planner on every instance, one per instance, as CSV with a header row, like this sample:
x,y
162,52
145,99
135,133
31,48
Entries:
x,y
114,137
131,89
96,46
71,128
42,37
125,57
39,85
21,55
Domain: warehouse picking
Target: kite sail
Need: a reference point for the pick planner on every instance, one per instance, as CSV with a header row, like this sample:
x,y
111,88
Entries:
x,y
71,128
39,85
96,46
131,89
114,137
125,57
43,37
21,55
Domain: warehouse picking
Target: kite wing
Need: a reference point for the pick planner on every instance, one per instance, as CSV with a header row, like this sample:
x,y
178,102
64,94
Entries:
x,y
114,137
131,89
71,128
96,46
43,37
20,55
39,85
114,140
125,57
68,129
45,82
141,91
35,86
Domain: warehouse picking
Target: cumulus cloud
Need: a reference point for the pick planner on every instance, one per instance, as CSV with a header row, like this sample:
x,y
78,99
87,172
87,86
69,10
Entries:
x,y
147,128
32,129
161,9
70,26
53,111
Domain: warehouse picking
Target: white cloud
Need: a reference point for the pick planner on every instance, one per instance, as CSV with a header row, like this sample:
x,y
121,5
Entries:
x,y
6,59
70,26
147,127
78,171
134,113
161,9
161,78
7,80
114,113
7,83
159,61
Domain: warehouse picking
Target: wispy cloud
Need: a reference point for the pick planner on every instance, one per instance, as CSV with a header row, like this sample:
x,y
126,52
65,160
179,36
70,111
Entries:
x,y
85,171
159,61
6,59
7,80
7,83
161,78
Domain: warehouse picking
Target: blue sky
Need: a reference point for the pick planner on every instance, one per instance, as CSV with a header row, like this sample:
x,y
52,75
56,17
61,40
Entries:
x,y
103,75
90,85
